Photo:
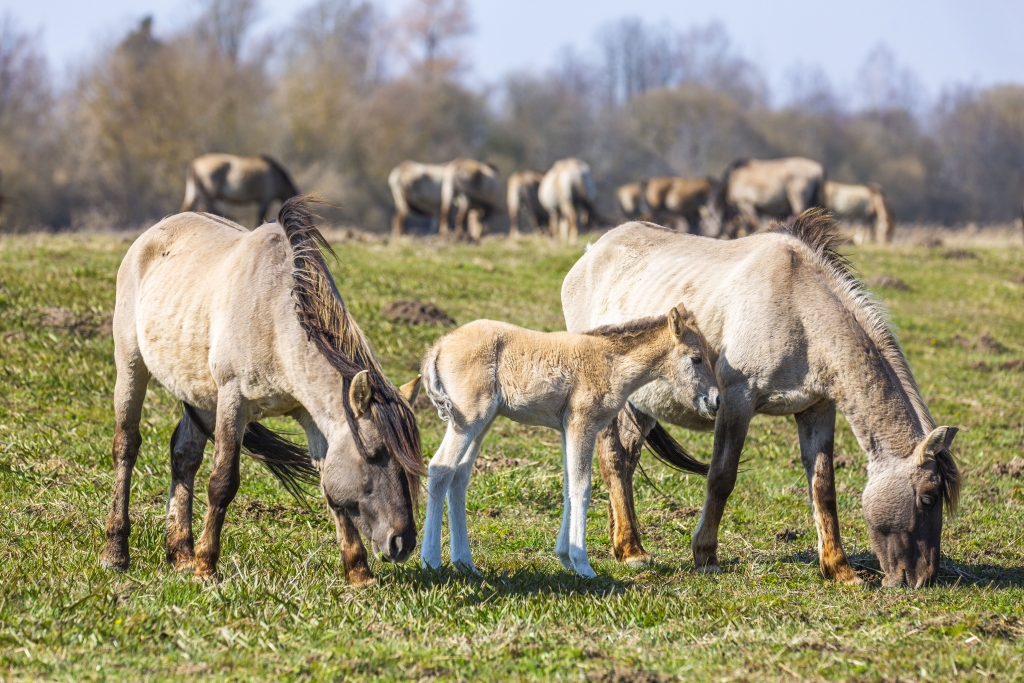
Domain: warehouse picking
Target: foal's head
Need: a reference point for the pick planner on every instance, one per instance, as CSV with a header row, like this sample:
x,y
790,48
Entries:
x,y
689,369
364,474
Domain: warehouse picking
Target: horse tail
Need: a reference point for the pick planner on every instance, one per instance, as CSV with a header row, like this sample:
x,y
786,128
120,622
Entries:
x,y
286,180
287,461
672,453
433,386
190,189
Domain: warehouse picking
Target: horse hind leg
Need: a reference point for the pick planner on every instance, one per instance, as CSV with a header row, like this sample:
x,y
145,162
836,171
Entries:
x,y
457,527
187,445
618,452
224,479
817,444
129,394
440,473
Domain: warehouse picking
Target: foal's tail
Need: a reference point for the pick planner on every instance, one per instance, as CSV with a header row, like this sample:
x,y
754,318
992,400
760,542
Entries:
x,y
287,461
432,384
672,453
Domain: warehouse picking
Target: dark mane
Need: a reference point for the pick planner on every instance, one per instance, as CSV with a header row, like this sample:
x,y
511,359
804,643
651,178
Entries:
x,y
326,320
721,191
289,184
631,328
817,229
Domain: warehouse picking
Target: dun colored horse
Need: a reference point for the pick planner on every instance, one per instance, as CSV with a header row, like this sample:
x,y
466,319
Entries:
x,y
214,178
575,383
567,191
522,196
864,205
244,325
667,200
751,189
433,190
791,331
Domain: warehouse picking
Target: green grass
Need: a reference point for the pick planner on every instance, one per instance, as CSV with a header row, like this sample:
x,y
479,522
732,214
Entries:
x,y
283,610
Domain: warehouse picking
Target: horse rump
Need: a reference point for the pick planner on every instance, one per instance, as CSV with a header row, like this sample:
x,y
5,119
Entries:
x,y
289,462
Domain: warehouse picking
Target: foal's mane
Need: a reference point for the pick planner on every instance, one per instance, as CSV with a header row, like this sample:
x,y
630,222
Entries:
x,y
817,229
327,323
630,328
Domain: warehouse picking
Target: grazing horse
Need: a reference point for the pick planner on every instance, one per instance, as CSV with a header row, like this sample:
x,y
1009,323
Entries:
x,y
237,180
575,383
862,204
433,190
474,190
791,332
674,202
751,189
631,202
244,325
565,191
522,196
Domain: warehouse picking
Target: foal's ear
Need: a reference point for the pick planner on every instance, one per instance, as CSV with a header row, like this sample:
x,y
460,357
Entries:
x,y
940,439
411,389
676,323
359,393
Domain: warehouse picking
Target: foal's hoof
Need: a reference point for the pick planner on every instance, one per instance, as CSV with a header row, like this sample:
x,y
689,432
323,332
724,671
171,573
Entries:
x,y
466,567
710,568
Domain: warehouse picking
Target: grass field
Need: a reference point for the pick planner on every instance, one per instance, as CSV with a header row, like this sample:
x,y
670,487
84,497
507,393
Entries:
x,y
283,610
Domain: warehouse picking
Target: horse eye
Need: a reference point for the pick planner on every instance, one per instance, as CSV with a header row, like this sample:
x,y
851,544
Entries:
x,y
927,501
697,360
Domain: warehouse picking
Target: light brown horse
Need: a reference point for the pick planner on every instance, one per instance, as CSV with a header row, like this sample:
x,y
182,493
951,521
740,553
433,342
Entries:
x,y
468,186
213,178
575,383
751,189
522,197
675,202
862,205
244,325
791,332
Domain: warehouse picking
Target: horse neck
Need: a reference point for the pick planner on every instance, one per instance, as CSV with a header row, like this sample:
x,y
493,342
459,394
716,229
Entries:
x,y
872,398
638,358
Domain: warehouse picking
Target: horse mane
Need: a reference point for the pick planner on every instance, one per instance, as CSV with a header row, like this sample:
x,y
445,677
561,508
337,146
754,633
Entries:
x,y
630,328
282,172
721,191
325,318
817,229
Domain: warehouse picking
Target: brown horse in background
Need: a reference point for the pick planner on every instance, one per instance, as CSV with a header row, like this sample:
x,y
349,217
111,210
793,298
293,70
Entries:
x,y
213,178
863,206
522,196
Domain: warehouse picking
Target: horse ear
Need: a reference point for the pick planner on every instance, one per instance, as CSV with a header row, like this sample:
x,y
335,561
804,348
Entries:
x,y
675,323
359,394
411,388
939,440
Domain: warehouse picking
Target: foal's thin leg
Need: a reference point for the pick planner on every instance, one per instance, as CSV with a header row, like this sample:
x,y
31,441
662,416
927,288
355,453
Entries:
x,y
457,528
129,393
618,452
224,479
562,542
730,433
817,444
579,458
187,445
439,479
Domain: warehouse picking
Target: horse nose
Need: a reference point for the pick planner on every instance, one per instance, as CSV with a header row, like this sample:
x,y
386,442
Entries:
x,y
713,400
399,547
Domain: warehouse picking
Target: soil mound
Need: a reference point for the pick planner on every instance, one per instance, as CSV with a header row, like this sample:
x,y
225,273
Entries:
x,y
416,312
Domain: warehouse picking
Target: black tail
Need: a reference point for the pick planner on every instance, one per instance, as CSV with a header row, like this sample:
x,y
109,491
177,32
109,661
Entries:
x,y
287,461
672,453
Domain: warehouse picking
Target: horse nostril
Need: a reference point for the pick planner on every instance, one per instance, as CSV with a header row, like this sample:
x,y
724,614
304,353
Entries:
x,y
395,545
718,401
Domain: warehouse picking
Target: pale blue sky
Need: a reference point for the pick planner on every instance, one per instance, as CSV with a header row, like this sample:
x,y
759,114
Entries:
x,y
943,42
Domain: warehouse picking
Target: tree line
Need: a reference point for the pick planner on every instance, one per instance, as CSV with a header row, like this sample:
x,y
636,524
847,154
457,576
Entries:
x,y
345,92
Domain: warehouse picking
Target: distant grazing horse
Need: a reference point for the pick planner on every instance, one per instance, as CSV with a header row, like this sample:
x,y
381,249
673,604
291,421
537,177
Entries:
x,y
791,331
631,202
473,189
433,190
565,191
522,196
675,202
751,189
213,178
575,383
245,325
863,205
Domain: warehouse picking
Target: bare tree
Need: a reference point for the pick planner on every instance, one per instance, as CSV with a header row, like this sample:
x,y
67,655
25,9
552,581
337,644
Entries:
x,y
225,23
435,28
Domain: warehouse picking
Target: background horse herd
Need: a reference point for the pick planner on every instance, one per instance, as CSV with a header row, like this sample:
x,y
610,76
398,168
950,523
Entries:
x,y
461,196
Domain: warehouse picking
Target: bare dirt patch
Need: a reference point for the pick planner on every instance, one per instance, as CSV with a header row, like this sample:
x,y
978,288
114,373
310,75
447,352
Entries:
x,y
1018,279
843,461
1016,364
980,366
985,343
1014,468
959,255
258,510
787,535
501,463
85,324
849,490
888,282
416,312
631,676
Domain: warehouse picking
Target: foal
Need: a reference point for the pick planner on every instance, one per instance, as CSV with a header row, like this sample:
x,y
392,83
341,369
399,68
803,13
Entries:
x,y
575,383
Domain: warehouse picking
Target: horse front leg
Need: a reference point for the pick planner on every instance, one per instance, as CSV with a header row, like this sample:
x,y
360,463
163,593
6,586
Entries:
x,y
618,452
440,473
261,211
578,458
353,552
129,394
817,428
187,445
224,479
730,433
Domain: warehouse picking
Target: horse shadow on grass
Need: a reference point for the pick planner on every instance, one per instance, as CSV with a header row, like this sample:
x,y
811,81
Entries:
x,y
950,573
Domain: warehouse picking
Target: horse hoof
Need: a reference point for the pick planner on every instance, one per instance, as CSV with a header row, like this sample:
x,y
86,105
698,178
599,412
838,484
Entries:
x,y
709,569
638,562
466,567
116,563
